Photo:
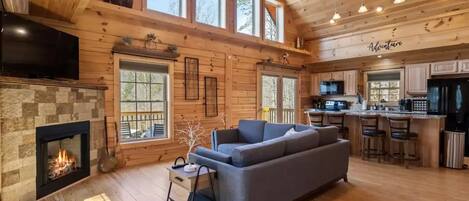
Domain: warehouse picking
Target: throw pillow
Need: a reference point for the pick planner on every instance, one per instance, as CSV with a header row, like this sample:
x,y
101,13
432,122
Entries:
x,y
290,132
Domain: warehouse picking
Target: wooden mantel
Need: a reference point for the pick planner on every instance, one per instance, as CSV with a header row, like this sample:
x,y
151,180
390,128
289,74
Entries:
x,y
50,82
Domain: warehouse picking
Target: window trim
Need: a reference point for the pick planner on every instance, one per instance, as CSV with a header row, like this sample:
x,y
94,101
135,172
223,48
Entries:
x,y
170,116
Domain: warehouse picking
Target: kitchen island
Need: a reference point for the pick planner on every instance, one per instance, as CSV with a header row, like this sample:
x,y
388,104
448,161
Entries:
x,y
428,128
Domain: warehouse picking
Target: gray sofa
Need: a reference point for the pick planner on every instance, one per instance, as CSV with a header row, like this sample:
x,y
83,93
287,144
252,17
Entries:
x,y
256,162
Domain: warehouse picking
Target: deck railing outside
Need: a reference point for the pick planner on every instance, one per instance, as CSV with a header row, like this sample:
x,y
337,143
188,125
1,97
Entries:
x,y
270,115
141,124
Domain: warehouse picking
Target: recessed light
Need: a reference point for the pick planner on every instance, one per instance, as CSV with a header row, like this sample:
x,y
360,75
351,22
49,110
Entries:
x,y
379,9
380,56
332,21
398,1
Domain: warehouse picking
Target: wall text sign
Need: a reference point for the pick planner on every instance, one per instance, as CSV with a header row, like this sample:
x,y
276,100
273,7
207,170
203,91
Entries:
x,y
386,45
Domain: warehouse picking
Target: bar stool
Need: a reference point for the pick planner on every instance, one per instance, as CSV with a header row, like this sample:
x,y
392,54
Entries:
x,y
372,135
338,119
399,127
316,118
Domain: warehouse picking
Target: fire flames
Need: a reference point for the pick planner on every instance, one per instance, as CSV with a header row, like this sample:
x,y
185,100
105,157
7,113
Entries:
x,y
62,164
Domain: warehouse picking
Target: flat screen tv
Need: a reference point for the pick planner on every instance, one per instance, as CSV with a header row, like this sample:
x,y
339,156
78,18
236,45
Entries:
x,y
33,50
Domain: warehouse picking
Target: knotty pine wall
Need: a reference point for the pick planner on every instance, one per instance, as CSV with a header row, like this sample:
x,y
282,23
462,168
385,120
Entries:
x,y
232,64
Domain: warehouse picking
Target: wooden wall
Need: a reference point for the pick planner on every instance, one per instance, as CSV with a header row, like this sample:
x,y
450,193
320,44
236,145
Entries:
x,y
232,63
437,31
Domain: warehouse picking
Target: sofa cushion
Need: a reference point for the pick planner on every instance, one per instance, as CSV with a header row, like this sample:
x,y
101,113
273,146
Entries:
x,y
218,156
257,153
251,131
301,141
327,135
272,131
301,127
228,147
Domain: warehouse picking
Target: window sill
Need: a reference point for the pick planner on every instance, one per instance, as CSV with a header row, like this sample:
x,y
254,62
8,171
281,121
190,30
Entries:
x,y
145,143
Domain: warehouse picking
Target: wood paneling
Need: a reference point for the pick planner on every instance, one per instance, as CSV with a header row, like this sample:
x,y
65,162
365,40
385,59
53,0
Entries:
x,y
99,30
449,29
312,16
68,10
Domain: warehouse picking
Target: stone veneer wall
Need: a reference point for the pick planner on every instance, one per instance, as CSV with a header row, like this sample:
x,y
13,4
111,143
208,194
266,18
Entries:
x,y
25,107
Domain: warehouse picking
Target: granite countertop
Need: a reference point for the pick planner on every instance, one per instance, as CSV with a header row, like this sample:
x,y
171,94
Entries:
x,y
414,115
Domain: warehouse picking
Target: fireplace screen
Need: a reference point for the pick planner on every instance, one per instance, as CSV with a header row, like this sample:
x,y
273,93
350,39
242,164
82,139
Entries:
x,y
64,157
63,153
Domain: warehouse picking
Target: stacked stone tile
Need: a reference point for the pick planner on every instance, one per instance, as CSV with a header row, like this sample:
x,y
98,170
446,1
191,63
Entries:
x,y
24,107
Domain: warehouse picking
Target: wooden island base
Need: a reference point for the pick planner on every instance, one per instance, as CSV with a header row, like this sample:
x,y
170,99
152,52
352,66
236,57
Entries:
x,y
428,130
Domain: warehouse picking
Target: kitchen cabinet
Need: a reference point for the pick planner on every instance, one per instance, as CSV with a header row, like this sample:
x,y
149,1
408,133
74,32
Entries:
x,y
315,84
416,76
338,76
464,66
350,82
325,76
444,68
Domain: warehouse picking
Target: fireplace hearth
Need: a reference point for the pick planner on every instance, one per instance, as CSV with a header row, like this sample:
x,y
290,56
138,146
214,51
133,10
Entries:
x,y
62,154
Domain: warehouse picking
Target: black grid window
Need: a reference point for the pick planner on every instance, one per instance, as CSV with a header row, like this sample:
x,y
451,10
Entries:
x,y
144,104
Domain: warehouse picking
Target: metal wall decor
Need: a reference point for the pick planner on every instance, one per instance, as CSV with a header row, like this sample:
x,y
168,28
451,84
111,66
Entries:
x,y
211,97
384,45
191,78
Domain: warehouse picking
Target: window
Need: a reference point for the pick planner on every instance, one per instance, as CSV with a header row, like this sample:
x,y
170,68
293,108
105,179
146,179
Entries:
x,y
211,12
273,21
171,7
247,17
387,91
143,101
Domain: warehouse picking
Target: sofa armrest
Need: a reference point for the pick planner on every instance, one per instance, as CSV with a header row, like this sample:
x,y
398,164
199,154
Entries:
x,y
223,137
214,155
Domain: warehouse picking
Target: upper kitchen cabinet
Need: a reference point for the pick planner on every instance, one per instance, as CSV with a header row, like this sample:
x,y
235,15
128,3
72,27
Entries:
x,y
325,76
350,82
338,76
315,84
444,68
416,76
464,66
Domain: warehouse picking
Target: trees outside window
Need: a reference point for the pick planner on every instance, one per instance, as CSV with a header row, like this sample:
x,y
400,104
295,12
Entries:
x,y
211,12
273,21
247,17
171,7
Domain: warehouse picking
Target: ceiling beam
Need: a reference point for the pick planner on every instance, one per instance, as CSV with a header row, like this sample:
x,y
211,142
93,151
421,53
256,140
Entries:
x,y
65,10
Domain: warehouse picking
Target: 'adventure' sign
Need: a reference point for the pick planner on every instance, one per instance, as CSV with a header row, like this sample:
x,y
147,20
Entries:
x,y
386,45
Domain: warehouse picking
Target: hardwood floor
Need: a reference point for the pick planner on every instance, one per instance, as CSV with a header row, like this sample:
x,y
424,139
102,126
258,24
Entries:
x,y
367,181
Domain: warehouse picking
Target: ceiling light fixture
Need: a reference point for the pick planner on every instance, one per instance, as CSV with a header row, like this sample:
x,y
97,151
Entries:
x,y
336,15
332,21
363,8
380,56
398,1
379,9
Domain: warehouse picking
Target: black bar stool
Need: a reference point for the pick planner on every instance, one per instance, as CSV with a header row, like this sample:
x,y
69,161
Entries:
x,y
372,135
338,119
316,118
399,127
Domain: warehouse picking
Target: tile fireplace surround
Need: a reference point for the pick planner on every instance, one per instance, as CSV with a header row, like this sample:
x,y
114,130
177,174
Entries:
x,y
27,104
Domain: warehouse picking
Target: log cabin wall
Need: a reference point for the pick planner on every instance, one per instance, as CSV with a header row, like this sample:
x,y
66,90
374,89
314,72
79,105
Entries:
x,y
233,63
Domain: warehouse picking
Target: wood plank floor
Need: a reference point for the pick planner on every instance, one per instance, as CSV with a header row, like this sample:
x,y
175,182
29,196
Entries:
x,y
367,181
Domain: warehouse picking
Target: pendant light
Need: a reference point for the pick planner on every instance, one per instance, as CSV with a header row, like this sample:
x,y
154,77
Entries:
x,y
363,8
398,1
379,9
332,21
336,15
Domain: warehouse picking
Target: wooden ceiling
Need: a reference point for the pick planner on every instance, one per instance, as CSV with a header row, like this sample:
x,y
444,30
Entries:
x,y
312,16
66,10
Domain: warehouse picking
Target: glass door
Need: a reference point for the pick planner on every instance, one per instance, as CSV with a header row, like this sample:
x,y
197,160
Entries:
x,y
270,96
289,100
279,98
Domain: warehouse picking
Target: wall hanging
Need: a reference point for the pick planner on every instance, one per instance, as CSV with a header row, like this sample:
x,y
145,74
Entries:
x,y
191,78
211,100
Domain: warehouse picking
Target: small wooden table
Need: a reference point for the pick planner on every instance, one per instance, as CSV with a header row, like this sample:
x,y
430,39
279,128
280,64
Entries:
x,y
187,180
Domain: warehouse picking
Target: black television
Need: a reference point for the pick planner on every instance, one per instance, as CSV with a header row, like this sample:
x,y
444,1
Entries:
x,y
33,50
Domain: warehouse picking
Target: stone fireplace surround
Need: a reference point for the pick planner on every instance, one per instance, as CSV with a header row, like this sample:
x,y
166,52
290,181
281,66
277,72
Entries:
x,y
26,104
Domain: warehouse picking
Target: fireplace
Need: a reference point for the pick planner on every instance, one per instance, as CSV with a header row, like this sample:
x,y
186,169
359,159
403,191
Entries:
x,y
63,156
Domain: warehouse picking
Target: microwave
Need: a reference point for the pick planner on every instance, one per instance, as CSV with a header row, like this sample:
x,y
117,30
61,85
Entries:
x,y
331,88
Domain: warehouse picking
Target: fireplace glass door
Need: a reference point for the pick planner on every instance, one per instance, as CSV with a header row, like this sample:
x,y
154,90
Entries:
x,y
63,156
